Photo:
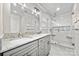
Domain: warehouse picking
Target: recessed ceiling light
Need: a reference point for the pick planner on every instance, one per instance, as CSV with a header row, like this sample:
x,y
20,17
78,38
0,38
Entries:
x,y
57,9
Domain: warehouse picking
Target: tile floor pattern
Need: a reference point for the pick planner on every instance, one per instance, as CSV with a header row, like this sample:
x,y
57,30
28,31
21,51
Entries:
x,y
58,50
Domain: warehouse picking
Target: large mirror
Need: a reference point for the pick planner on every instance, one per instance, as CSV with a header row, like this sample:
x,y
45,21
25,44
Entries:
x,y
19,21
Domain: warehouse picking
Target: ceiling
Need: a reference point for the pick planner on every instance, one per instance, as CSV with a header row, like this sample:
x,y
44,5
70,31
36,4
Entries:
x,y
63,15
51,7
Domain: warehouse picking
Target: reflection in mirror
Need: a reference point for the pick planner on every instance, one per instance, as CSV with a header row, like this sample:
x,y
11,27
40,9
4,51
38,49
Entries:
x,y
21,23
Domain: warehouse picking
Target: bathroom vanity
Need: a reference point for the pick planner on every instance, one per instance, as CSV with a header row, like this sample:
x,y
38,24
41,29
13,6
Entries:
x,y
38,45
21,31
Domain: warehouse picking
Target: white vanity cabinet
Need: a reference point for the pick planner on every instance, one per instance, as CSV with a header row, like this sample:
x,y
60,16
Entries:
x,y
47,45
37,47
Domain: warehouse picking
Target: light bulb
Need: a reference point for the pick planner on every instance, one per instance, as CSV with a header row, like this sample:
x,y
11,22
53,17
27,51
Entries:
x,y
57,9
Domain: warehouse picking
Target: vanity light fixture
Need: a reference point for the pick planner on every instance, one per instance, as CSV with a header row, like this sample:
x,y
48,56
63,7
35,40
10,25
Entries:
x,y
36,11
33,11
24,6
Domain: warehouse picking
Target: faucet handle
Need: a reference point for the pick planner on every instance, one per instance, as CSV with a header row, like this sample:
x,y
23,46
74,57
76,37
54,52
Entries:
x,y
20,34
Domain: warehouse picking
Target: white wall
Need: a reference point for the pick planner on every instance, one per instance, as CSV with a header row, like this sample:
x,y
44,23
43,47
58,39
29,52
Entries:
x,y
1,20
64,19
6,17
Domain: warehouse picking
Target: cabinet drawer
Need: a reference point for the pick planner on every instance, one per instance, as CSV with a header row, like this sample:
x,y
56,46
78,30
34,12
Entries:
x,y
20,48
34,52
41,50
25,51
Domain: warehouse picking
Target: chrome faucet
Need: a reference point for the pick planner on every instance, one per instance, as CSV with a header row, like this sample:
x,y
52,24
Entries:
x,y
20,35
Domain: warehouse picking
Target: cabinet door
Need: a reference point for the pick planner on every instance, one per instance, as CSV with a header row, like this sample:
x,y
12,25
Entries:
x,y
44,46
47,45
41,50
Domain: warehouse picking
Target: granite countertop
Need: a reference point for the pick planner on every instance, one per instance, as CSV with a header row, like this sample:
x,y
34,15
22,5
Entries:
x,y
20,41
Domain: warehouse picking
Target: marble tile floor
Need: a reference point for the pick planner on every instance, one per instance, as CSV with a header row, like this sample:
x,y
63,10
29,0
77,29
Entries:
x,y
58,50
